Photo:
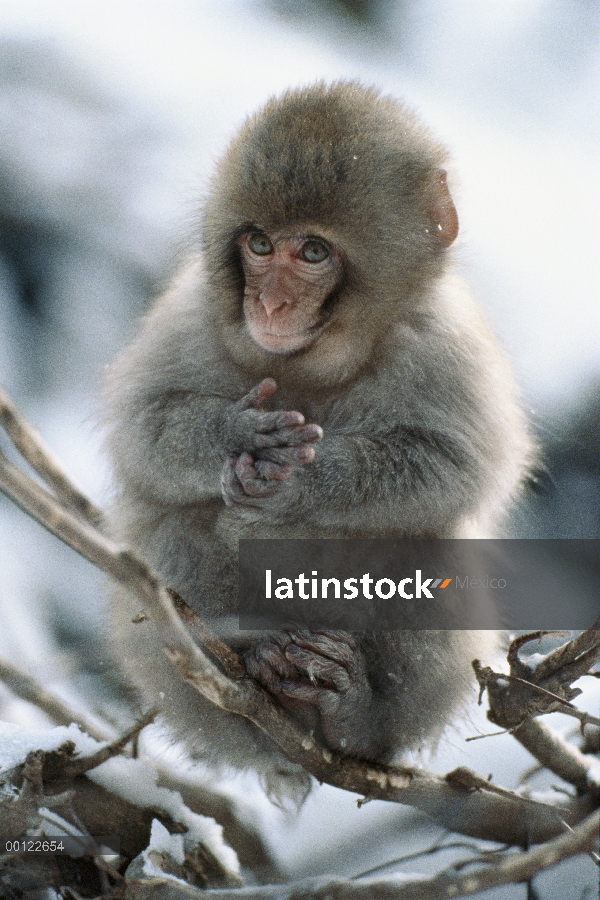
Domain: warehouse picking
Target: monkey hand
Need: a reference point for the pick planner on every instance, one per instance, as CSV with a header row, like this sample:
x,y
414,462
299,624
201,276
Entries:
x,y
280,437
321,677
250,484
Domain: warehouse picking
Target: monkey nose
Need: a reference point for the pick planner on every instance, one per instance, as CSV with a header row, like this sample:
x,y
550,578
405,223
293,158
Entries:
x,y
272,304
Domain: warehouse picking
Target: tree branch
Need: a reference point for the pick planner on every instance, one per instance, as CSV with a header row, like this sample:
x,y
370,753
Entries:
x,y
29,688
32,448
485,813
512,868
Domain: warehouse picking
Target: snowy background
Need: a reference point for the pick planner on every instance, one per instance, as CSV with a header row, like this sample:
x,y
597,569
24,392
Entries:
x,y
111,117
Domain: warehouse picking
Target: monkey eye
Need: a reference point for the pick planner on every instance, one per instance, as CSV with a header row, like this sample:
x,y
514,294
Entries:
x,y
314,251
260,244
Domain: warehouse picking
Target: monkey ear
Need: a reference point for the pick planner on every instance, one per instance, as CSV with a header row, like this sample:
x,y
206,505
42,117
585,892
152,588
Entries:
x,y
442,212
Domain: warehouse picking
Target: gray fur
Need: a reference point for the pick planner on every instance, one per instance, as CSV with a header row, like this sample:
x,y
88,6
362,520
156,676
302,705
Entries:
x,y
423,434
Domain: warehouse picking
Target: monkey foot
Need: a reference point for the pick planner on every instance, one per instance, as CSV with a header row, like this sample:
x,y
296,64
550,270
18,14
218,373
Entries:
x,y
320,675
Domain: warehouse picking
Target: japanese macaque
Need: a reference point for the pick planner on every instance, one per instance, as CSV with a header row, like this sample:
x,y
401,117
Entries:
x,y
315,370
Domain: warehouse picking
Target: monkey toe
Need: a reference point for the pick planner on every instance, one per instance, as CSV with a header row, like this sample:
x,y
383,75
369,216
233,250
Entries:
x,y
263,672
306,693
338,646
318,669
267,663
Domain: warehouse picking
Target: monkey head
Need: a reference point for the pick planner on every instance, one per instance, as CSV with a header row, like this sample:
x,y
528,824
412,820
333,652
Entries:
x,y
328,218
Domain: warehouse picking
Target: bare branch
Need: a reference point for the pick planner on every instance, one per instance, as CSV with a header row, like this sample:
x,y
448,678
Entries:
x,y
222,652
72,768
509,869
569,652
239,831
555,702
31,446
517,699
28,688
558,755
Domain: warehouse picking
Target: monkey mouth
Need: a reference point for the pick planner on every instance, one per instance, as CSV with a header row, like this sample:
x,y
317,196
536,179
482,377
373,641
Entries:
x,y
286,341
309,331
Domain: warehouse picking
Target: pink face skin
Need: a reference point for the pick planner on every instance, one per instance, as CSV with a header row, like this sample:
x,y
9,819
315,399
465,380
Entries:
x,y
287,280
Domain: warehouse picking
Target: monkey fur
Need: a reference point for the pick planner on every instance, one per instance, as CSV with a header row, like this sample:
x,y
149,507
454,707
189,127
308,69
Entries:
x,y
335,199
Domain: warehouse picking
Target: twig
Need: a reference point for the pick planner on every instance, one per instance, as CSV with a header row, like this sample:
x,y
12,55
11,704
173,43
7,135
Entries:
x,y
559,756
557,703
28,688
242,835
512,868
222,652
473,782
517,699
569,652
437,847
31,446
72,768
84,840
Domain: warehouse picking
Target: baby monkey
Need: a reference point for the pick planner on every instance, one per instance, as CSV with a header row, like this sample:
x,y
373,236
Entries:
x,y
315,370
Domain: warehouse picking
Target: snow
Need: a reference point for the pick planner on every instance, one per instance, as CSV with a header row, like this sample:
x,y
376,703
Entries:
x,y
132,779
163,842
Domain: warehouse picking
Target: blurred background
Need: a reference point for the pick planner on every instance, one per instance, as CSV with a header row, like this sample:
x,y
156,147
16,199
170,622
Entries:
x,y
111,117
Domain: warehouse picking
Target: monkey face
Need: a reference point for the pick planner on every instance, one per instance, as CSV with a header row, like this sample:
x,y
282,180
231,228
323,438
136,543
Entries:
x,y
287,280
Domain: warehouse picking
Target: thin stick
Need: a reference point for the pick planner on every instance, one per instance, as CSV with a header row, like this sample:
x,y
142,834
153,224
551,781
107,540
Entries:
x,y
28,688
73,768
31,446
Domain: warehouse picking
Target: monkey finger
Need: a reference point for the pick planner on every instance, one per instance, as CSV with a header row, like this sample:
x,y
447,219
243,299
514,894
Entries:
x,y
272,471
261,392
309,434
287,456
269,672
288,437
231,489
259,479
253,483
265,422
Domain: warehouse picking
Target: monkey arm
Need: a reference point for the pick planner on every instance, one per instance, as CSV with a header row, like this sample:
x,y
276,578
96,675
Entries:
x,y
407,479
178,441
175,445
